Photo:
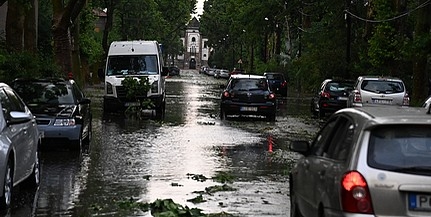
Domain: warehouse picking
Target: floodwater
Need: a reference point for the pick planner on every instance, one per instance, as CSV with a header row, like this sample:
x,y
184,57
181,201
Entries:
x,y
132,159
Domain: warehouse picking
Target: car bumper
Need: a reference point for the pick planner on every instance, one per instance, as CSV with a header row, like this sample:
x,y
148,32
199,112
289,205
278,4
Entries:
x,y
71,133
248,109
115,103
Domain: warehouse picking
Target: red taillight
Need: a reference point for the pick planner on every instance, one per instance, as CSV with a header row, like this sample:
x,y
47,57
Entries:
x,y
226,94
325,95
284,84
355,195
406,99
271,96
357,97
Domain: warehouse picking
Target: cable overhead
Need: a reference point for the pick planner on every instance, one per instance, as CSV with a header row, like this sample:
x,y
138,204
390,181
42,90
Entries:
x,y
390,19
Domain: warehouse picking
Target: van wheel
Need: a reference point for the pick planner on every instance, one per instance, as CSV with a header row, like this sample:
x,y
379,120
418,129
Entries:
x,y
160,111
6,198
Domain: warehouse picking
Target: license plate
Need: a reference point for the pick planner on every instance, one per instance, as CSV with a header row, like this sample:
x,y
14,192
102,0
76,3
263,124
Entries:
x,y
132,104
342,98
420,202
248,109
381,101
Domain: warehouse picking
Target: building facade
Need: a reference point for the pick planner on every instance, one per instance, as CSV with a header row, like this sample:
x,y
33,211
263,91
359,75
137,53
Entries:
x,y
196,50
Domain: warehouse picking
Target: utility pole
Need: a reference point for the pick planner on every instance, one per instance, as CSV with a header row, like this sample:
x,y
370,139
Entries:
x,y
348,19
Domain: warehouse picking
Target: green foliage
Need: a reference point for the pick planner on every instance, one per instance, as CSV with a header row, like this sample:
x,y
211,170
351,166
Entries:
x,y
89,42
136,91
223,177
25,65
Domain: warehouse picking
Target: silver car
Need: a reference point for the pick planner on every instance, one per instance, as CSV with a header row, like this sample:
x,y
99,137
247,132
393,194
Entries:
x,y
19,145
368,161
378,90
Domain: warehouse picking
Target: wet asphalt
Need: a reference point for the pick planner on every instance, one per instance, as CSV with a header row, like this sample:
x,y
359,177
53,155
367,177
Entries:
x,y
144,159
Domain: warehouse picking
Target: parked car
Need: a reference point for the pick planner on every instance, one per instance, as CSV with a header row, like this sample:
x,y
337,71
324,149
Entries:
x,y
221,73
330,97
378,90
173,71
210,71
248,95
277,83
365,161
62,111
19,142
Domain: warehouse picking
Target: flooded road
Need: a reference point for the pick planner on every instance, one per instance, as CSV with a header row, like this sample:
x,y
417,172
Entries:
x,y
144,160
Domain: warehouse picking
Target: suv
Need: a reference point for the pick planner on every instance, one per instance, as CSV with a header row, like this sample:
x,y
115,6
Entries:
x,y
277,83
248,95
365,161
378,90
62,111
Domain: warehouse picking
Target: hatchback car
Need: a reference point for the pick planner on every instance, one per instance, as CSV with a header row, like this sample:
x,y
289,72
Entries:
x,y
277,83
378,90
62,111
365,161
19,142
330,97
221,73
248,95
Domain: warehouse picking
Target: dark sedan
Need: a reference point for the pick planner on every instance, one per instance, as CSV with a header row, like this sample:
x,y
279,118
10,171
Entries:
x,y
62,111
277,83
248,95
331,96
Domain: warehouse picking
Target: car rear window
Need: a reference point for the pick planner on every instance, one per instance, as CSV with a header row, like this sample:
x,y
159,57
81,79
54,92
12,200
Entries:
x,y
405,148
249,84
274,77
338,86
382,86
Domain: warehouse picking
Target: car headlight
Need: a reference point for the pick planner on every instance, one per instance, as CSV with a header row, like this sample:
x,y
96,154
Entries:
x,y
109,89
155,87
65,122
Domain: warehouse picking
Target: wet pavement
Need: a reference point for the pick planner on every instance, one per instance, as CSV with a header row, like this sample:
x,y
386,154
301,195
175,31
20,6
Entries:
x,y
146,159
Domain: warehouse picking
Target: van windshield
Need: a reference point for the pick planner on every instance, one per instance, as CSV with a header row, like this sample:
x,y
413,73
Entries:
x,y
132,65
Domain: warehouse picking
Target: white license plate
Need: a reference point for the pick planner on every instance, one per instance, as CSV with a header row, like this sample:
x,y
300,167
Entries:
x,y
381,101
132,104
342,98
248,109
420,202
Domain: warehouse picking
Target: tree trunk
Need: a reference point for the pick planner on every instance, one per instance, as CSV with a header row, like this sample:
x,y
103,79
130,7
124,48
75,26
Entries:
x,y
15,26
31,25
420,77
108,26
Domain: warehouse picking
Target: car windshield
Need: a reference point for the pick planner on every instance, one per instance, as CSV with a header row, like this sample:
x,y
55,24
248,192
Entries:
x,y
401,148
382,86
249,84
45,93
132,65
338,86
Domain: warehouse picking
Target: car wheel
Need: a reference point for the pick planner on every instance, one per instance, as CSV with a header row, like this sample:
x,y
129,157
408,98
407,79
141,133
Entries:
x,y
77,144
87,139
223,115
34,179
106,107
6,198
321,113
314,113
271,117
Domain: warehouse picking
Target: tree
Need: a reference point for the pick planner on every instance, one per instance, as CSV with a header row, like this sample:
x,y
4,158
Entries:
x,y
64,16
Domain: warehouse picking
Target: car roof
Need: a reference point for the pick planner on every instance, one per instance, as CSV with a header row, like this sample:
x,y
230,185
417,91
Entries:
x,y
381,114
239,76
375,77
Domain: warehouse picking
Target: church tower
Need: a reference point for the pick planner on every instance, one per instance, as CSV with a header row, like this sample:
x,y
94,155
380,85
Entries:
x,y
196,50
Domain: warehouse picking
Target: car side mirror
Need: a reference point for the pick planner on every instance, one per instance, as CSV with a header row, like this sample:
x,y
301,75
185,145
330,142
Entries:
x,y
84,101
101,74
17,117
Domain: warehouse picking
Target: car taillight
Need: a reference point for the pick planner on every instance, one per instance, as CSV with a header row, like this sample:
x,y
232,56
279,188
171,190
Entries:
x,y
325,94
284,84
357,96
355,195
406,99
226,94
271,96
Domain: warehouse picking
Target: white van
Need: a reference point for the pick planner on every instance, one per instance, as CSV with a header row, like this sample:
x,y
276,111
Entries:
x,y
137,59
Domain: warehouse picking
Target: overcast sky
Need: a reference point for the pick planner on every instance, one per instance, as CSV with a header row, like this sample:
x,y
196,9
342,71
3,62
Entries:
x,y
199,7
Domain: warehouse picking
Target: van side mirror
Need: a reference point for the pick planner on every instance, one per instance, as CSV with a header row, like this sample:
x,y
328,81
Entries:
x,y
101,74
165,71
